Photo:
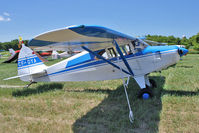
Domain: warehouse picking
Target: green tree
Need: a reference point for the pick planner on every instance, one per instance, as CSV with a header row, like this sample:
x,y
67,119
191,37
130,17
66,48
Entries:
x,y
170,40
12,44
186,42
195,41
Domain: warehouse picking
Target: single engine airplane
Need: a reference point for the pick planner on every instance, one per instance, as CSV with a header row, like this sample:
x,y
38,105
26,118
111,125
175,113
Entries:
x,y
106,55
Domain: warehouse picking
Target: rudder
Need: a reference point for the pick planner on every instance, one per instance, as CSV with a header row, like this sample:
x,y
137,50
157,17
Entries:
x,y
29,63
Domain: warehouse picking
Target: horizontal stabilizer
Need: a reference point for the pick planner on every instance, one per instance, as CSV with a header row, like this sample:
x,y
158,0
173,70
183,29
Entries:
x,y
33,74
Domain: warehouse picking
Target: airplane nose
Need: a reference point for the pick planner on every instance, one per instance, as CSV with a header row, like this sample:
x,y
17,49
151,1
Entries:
x,y
182,51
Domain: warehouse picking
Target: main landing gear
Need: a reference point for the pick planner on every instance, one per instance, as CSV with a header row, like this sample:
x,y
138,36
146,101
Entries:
x,y
147,92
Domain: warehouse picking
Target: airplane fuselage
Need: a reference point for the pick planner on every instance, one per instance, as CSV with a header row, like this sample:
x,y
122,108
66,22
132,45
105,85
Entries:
x,y
84,67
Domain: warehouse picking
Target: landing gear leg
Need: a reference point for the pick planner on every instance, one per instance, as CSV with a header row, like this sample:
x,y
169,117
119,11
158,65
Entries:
x,y
145,85
150,82
153,83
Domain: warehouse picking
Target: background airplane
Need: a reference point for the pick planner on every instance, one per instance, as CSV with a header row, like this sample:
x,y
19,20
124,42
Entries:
x,y
13,57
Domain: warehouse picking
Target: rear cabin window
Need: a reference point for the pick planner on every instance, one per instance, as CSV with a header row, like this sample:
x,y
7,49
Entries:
x,y
108,53
103,54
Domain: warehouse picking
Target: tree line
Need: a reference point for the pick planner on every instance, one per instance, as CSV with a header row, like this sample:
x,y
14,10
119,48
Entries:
x,y
12,44
189,43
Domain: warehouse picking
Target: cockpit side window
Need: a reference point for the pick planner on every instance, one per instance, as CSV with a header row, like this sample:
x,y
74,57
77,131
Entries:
x,y
135,46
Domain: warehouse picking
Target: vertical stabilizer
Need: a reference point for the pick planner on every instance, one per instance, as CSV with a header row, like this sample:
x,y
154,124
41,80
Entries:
x,y
29,63
12,52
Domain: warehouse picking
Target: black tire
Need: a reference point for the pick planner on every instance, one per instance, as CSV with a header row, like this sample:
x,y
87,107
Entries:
x,y
153,83
145,90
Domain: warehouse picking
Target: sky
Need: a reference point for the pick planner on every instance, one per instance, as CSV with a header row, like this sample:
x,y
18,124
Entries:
x,y
28,18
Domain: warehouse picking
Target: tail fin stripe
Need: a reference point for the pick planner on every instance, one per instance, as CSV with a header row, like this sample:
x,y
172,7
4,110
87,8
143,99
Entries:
x,y
29,66
29,61
27,57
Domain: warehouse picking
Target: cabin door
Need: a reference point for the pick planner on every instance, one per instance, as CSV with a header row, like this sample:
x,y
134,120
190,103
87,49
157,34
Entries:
x,y
157,58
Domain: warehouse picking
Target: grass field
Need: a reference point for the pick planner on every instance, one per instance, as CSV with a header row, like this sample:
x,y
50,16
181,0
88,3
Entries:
x,y
100,107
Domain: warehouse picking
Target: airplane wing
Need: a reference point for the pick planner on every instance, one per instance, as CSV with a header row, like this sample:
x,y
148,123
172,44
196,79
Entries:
x,y
73,37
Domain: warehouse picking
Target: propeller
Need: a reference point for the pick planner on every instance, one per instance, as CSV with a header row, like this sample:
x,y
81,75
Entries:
x,y
182,51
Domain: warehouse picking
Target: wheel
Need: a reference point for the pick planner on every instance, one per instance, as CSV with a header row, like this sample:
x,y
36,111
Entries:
x,y
153,83
145,93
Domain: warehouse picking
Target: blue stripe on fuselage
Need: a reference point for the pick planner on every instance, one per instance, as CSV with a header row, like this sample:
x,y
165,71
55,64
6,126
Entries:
x,y
84,58
153,49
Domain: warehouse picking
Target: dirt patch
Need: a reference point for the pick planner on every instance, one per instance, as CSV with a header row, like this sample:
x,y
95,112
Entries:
x,y
11,86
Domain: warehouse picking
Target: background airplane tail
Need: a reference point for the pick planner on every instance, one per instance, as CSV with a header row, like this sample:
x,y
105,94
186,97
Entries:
x,y
29,64
12,52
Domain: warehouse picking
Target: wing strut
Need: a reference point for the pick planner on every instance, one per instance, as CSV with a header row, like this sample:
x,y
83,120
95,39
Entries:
x,y
125,83
109,62
131,117
123,58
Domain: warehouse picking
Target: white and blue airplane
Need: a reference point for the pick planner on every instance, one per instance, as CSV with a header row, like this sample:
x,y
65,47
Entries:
x,y
106,55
